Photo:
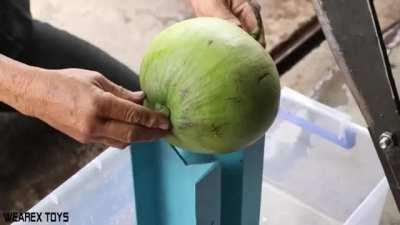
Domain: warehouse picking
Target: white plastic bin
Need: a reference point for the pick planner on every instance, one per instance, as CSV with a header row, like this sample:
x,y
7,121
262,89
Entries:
x,y
320,169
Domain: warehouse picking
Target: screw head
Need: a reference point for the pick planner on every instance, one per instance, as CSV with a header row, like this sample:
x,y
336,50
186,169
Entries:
x,y
385,140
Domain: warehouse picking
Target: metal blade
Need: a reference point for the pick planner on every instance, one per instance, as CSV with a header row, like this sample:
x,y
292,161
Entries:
x,y
354,36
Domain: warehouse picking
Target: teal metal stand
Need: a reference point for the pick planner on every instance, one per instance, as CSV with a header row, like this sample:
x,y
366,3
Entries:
x,y
176,187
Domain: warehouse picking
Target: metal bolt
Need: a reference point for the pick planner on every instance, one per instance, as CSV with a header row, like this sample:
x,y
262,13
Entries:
x,y
386,140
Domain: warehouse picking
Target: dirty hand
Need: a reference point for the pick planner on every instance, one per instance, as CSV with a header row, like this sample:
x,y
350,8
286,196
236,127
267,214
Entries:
x,y
245,13
88,107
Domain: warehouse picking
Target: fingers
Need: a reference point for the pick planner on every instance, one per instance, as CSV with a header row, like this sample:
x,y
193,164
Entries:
x,y
122,110
260,33
214,8
119,104
249,16
244,13
137,97
121,92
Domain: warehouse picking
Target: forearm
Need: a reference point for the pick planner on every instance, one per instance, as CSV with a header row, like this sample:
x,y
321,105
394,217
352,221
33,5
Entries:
x,y
15,80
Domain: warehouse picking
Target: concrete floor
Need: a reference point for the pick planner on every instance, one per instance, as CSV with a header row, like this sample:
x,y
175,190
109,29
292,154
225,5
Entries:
x,y
124,28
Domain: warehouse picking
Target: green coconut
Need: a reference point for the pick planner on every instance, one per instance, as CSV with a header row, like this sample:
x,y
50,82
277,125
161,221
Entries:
x,y
218,85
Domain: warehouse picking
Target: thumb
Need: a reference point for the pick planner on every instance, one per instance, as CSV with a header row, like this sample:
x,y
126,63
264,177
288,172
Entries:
x,y
249,16
214,8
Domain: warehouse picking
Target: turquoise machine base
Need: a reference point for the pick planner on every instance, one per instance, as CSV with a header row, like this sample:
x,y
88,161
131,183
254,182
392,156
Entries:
x,y
176,187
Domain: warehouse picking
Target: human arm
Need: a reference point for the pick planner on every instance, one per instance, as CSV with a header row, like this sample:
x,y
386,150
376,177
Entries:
x,y
80,103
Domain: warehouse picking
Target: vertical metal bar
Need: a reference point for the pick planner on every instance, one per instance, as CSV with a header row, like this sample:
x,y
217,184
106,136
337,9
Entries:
x,y
389,73
355,38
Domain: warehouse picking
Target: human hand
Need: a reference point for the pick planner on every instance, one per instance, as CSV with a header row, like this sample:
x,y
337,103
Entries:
x,y
86,106
244,13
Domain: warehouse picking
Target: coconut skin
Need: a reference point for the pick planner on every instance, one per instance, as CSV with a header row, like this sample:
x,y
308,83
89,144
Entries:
x,y
219,86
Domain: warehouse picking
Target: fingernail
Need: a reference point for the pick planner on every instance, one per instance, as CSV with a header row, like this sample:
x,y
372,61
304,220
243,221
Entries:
x,y
164,126
140,94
